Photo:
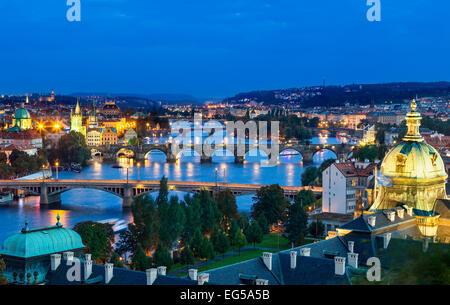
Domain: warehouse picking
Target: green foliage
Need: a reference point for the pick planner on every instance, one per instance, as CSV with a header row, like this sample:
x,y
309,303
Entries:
x,y
310,175
254,233
369,152
316,228
6,170
270,201
293,127
220,241
226,202
98,239
162,256
305,198
115,260
3,158
210,214
440,126
187,256
139,260
262,221
145,226
238,240
296,224
21,162
72,148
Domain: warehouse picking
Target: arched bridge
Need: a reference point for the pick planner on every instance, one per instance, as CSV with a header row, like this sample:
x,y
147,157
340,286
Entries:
x,y
50,190
307,151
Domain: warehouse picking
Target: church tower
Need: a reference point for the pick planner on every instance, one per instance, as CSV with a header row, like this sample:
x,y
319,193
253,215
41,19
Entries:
x,y
76,120
93,121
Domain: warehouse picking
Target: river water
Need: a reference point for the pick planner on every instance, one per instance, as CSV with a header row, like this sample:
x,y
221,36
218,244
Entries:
x,y
85,204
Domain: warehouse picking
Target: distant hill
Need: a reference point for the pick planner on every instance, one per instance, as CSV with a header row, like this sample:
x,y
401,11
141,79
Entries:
x,y
163,97
362,94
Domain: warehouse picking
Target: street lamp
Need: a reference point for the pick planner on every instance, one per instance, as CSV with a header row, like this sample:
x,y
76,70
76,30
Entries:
x,y
216,177
57,165
138,166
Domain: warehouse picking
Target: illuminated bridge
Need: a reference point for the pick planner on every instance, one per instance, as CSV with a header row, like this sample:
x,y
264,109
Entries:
x,y
50,190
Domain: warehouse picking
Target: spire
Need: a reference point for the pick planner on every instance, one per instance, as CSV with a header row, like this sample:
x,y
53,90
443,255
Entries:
x,y
413,119
77,107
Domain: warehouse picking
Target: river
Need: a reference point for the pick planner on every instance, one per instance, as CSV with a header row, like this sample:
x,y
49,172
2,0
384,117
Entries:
x,y
85,204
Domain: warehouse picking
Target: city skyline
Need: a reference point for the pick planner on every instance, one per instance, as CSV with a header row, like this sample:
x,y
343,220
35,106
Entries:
x,y
214,51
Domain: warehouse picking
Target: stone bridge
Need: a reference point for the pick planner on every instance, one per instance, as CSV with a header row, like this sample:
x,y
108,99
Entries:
x,y
50,190
140,152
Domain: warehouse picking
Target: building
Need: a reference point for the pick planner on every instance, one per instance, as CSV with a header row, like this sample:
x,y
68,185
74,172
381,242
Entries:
x,y
29,138
76,120
110,109
385,118
129,135
92,119
343,183
108,136
416,178
27,253
21,119
369,135
93,137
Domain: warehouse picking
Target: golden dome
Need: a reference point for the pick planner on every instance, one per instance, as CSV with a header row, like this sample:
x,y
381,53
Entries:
x,y
415,169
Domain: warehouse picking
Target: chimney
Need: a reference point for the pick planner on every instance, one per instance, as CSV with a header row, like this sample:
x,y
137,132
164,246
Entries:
x,y
68,257
351,246
55,260
152,274
267,257
87,257
203,278
371,220
293,259
353,259
409,211
305,251
401,213
261,282
193,274
391,215
162,270
339,265
108,272
87,269
386,239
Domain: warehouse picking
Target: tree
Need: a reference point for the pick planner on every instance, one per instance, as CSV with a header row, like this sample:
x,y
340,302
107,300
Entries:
x,y
115,260
316,228
270,201
192,210
127,242
296,224
145,222
226,202
174,221
206,249
220,242
254,233
72,148
305,198
210,214
98,238
187,256
262,221
369,152
139,260
239,240
3,157
162,256
310,175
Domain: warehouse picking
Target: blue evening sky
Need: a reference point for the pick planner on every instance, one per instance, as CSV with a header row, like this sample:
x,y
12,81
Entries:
x,y
215,48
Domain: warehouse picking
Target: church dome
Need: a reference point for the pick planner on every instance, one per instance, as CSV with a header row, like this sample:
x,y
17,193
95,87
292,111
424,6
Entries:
x,y
21,114
413,160
414,170
44,241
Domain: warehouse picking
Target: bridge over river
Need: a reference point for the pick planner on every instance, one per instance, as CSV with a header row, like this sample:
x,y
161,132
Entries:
x,y
50,190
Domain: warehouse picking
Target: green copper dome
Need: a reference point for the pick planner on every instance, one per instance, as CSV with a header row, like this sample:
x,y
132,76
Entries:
x,y
43,241
21,114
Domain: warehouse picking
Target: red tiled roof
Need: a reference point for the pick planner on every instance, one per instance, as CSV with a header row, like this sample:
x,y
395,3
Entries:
x,y
348,169
25,134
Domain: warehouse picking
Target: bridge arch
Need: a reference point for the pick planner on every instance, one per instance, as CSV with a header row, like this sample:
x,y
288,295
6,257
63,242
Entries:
x,y
125,152
289,155
323,154
188,153
159,155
